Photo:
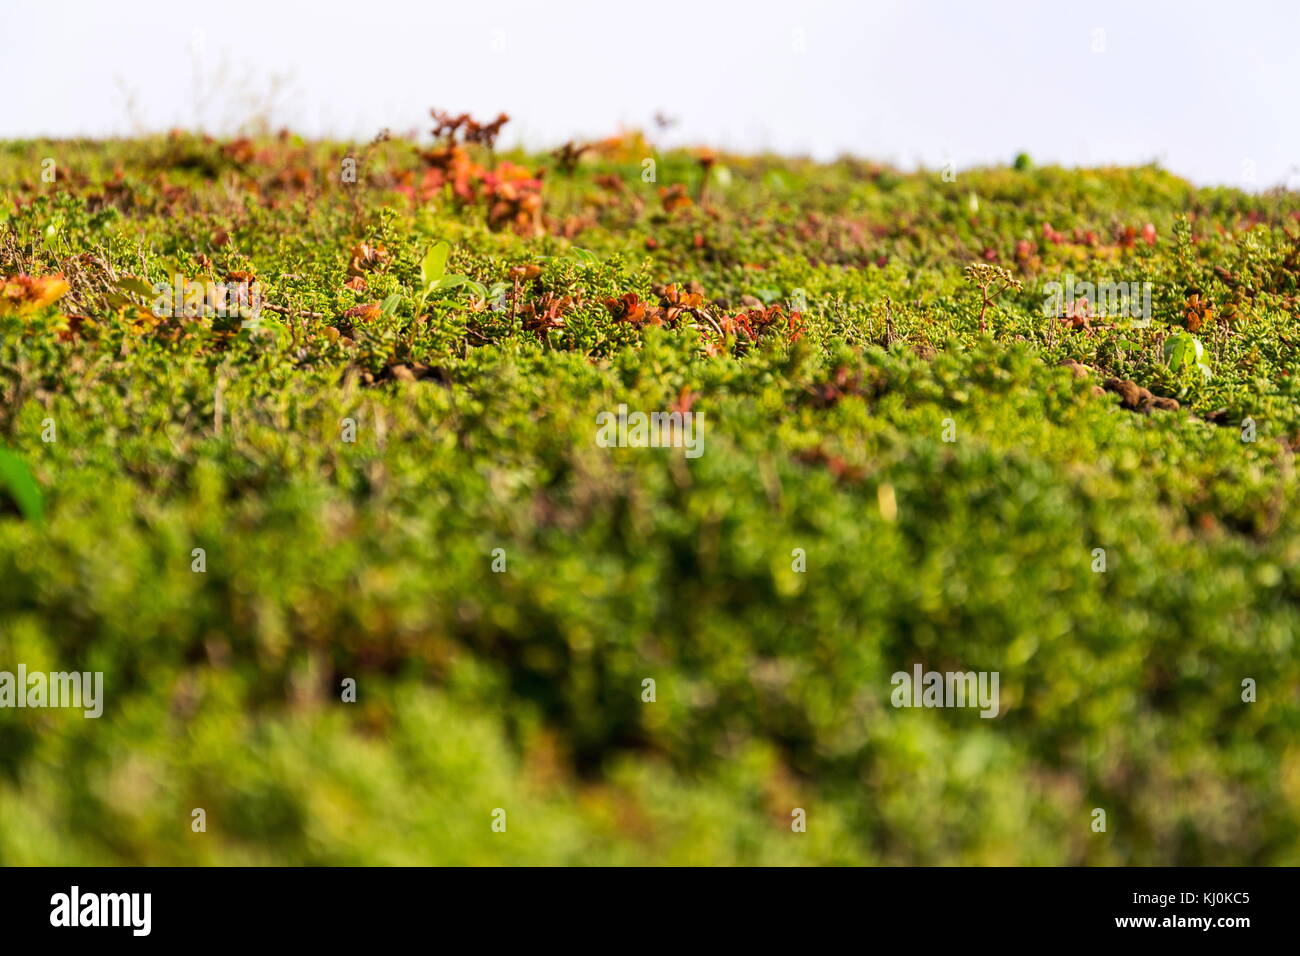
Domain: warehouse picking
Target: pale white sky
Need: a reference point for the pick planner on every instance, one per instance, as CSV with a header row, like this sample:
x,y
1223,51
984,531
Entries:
x,y
1210,90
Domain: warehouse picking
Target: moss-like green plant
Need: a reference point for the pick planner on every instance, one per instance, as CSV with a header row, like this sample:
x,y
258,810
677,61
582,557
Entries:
x,y
388,483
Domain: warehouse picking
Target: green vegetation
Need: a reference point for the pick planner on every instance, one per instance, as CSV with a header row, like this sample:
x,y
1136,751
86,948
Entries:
x,y
826,322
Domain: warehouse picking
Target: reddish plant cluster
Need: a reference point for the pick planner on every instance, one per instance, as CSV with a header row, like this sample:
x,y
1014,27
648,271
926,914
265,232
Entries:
x,y
674,305
467,129
629,308
684,402
569,155
365,258
1083,238
1126,237
1027,257
21,294
449,165
1197,311
362,314
511,193
674,197
239,151
1129,235
840,469
546,312
539,314
1079,315
756,323
514,199
842,383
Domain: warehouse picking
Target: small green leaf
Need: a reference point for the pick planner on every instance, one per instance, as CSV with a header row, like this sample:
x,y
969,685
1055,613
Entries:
x,y
435,263
391,304
16,478
451,282
135,286
1182,350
